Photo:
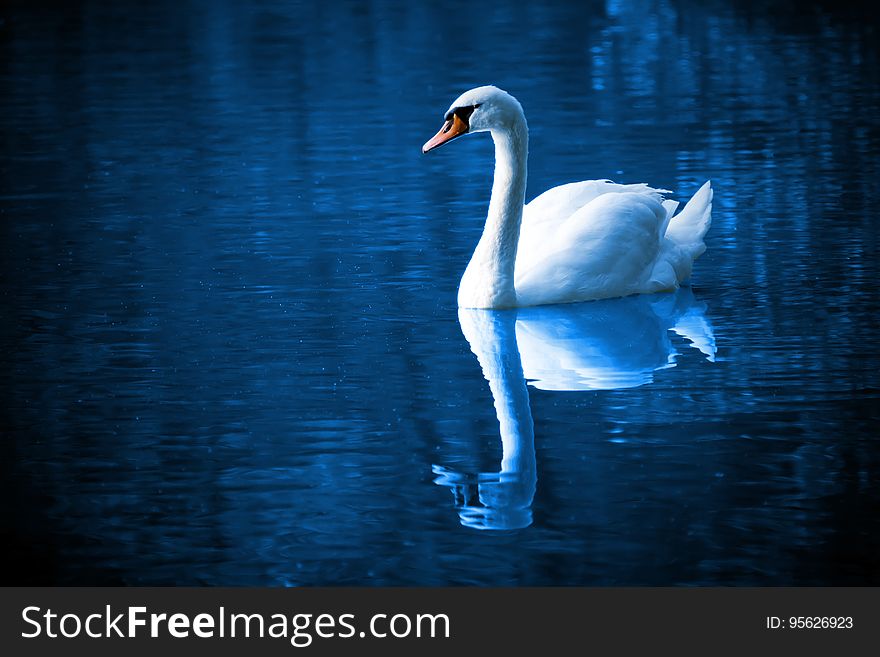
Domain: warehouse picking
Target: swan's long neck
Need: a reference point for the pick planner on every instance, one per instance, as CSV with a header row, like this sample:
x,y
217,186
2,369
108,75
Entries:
x,y
488,281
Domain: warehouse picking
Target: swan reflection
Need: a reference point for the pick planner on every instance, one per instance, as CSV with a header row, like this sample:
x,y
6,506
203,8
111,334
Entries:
x,y
600,345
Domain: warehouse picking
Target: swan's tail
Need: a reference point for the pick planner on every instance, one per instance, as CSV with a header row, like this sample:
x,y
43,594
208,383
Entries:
x,y
689,226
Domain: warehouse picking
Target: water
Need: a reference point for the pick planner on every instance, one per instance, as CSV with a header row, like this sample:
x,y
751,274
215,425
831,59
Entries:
x,y
230,342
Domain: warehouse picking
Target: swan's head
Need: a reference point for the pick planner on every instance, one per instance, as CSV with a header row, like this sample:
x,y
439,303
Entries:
x,y
478,110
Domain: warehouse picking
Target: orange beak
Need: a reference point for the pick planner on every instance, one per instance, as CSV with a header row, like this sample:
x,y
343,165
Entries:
x,y
453,128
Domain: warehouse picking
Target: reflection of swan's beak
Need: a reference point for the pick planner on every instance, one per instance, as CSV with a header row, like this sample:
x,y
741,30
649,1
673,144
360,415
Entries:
x,y
492,500
453,128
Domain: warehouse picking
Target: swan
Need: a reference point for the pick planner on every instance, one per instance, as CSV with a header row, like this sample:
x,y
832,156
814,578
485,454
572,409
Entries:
x,y
577,242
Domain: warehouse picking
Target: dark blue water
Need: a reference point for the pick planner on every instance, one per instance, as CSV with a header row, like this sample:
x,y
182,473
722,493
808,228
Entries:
x,y
231,351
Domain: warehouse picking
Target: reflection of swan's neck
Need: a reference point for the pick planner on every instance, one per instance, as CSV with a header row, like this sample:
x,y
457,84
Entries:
x,y
492,337
514,413
488,279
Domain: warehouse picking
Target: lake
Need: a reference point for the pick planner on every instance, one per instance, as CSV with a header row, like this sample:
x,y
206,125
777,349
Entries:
x,y
231,347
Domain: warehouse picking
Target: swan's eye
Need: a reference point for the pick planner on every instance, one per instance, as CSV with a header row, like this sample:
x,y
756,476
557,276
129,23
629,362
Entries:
x,y
464,113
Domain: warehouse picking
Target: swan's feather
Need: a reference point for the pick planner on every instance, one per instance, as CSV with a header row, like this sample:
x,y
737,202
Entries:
x,y
689,226
597,239
670,206
560,202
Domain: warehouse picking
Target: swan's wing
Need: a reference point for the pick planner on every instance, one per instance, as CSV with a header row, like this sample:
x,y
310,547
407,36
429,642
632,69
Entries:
x,y
546,213
605,249
557,204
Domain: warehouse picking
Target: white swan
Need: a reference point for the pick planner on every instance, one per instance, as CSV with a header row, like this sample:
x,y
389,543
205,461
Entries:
x,y
576,242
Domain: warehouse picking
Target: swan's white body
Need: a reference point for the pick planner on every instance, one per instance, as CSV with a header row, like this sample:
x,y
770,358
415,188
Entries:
x,y
576,242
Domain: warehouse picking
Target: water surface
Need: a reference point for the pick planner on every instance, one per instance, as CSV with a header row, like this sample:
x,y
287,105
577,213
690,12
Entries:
x,y
230,343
